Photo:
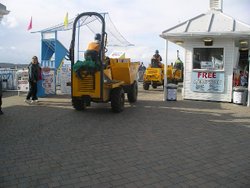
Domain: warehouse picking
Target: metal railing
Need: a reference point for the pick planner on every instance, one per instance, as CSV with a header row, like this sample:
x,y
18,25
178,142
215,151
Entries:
x,y
9,79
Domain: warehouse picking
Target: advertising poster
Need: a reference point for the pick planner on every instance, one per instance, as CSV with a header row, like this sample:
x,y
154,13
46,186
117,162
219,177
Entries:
x,y
208,82
66,80
22,80
48,82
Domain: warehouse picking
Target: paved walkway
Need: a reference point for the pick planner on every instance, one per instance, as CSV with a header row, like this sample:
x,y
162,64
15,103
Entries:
x,y
151,144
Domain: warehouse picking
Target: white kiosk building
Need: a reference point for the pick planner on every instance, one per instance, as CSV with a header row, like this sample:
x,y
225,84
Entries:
x,y
216,52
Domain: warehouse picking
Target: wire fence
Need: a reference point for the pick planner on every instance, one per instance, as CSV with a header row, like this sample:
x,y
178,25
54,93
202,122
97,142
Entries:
x,y
9,79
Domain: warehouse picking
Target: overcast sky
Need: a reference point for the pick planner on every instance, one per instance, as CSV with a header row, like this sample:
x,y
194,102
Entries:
x,y
139,21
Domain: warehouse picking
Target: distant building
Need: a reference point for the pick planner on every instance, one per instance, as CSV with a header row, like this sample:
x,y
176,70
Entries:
x,y
3,11
12,66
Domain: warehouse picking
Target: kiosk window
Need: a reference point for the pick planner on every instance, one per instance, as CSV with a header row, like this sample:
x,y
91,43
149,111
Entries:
x,y
208,58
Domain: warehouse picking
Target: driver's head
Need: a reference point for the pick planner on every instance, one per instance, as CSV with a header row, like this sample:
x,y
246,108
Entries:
x,y
98,37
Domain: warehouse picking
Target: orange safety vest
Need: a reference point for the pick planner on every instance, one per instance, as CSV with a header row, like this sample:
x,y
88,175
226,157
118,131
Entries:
x,y
93,46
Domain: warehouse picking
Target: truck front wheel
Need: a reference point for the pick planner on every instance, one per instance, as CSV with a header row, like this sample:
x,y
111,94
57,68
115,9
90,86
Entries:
x,y
117,99
78,104
133,93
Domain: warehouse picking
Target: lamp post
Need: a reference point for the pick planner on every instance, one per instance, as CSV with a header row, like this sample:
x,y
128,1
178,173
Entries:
x,y
165,71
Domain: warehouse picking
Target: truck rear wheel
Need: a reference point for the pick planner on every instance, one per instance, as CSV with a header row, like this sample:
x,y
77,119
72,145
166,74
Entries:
x,y
154,86
145,86
133,93
78,104
117,99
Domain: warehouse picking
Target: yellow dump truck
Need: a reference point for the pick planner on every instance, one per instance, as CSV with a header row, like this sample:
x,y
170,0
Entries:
x,y
174,74
104,80
175,71
153,77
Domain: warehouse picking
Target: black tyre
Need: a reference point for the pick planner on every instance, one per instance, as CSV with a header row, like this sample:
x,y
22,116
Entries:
x,y
78,104
117,99
145,86
133,93
154,86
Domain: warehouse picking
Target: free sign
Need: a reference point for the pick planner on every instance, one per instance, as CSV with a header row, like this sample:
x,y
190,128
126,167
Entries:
x,y
206,75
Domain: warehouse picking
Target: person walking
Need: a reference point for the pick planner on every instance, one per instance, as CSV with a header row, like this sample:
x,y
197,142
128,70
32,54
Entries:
x,y
34,71
1,112
141,71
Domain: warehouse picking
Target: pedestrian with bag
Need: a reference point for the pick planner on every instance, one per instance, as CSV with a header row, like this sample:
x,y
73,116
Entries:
x,y
34,71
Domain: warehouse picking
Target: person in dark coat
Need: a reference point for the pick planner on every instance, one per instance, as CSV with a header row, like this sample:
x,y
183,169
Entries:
x,y
34,74
156,60
1,112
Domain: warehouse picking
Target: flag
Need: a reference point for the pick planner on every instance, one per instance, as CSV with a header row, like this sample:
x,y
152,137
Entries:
x,y
30,24
66,21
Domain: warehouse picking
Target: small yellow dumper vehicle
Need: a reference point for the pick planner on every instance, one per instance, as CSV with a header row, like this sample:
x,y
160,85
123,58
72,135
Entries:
x,y
175,72
154,74
104,80
153,77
